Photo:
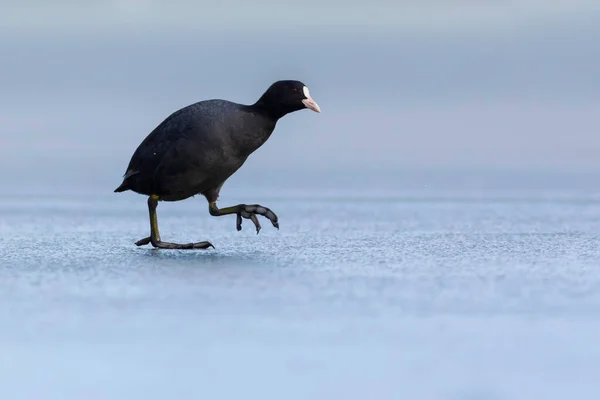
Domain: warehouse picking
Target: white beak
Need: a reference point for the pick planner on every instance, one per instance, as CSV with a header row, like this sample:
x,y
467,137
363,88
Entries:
x,y
311,104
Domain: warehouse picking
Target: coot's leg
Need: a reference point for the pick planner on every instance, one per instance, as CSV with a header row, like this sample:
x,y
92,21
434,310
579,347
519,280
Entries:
x,y
154,238
248,211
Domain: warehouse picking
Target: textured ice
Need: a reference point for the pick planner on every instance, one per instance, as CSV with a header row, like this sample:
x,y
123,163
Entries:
x,y
429,297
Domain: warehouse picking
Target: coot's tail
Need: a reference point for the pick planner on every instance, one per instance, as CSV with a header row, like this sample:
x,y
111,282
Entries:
x,y
123,187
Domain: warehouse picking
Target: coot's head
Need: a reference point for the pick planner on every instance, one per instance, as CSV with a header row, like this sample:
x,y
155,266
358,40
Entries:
x,y
284,97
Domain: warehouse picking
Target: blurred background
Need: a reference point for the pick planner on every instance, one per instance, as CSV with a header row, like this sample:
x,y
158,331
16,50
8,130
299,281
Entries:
x,y
409,91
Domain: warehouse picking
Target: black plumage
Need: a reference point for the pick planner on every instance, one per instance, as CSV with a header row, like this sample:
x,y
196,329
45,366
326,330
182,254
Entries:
x,y
197,148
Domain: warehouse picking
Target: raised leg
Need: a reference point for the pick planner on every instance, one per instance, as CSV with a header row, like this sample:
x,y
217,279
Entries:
x,y
248,211
154,238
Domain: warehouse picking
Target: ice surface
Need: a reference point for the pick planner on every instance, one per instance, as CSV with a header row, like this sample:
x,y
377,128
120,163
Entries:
x,y
429,297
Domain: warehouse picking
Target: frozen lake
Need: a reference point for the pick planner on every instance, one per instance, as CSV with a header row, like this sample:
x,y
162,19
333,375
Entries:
x,y
427,295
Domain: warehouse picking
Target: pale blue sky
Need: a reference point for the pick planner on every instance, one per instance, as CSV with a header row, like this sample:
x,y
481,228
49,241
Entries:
x,y
416,84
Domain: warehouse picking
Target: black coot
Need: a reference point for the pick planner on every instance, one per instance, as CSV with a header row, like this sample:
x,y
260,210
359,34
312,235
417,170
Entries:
x,y
198,147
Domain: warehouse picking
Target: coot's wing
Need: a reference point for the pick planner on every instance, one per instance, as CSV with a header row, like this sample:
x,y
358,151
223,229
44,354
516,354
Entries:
x,y
189,152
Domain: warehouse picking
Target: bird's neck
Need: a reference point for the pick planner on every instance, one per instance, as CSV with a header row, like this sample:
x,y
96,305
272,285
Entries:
x,y
271,111
259,128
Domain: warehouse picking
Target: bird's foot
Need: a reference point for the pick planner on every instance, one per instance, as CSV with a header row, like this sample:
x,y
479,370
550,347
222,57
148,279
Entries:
x,y
168,245
251,211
